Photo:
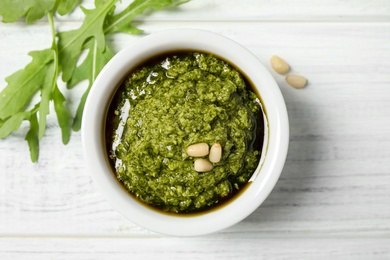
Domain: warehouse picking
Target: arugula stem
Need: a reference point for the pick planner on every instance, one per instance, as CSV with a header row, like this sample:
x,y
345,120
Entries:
x,y
54,47
109,28
52,28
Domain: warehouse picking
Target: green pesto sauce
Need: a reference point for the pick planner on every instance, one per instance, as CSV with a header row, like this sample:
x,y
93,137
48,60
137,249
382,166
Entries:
x,y
169,103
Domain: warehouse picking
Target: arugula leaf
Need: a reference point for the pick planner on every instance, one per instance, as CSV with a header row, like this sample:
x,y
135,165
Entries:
x,y
25,83
12,124
121,22
33,10
67,6
32,138
71,42
63,115
46,90
88,70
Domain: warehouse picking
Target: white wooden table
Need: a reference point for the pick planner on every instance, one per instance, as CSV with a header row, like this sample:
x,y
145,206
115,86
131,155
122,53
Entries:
x,y
333,198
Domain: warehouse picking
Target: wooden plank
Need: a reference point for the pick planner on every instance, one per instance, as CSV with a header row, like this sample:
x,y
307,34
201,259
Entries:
x,y
210,247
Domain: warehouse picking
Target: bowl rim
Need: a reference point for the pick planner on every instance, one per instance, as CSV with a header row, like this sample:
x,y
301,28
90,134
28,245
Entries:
x,y
198,40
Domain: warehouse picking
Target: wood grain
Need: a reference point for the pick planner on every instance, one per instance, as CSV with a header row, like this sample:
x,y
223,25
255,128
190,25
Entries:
x,y
333,197
250,247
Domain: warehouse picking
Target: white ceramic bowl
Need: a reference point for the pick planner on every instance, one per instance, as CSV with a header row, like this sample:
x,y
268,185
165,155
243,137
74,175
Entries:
x,y
266,175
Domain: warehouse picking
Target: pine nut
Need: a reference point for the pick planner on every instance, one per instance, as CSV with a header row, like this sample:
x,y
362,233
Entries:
x,y
215,153
198,150
296,81
279,65
203,165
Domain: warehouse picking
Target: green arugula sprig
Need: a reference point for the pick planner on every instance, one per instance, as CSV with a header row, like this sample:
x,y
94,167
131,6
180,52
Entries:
x,y
41,74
